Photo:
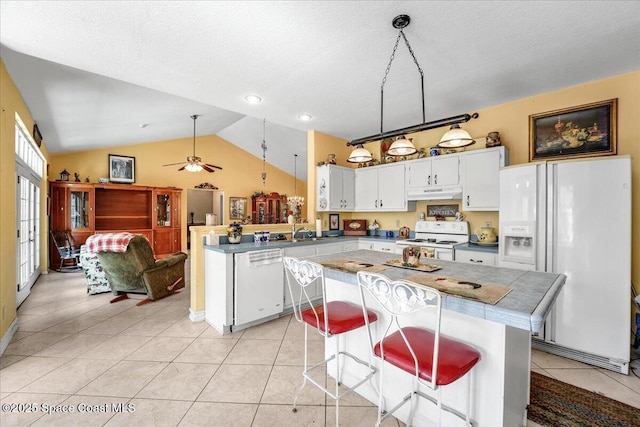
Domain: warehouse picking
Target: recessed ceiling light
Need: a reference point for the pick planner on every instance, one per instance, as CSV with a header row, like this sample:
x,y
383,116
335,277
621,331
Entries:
x,y
253,99
304,117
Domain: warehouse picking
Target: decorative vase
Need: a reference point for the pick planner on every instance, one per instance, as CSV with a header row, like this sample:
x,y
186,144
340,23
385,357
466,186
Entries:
x,y
486,235
234,233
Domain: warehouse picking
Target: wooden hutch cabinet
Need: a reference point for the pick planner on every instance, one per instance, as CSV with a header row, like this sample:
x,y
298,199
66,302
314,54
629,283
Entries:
x,y
269,208
86,209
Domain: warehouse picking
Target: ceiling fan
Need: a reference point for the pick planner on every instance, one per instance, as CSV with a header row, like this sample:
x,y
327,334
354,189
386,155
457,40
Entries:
x,y
194,163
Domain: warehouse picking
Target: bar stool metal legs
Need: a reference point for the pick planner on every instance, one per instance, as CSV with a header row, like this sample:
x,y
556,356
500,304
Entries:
x,y
331,319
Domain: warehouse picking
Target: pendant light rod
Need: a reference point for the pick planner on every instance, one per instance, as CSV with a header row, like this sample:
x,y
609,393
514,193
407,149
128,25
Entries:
x,y
194,117
462,118
400,22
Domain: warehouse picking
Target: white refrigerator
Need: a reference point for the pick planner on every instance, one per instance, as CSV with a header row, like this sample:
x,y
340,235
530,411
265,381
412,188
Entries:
x,y
574,218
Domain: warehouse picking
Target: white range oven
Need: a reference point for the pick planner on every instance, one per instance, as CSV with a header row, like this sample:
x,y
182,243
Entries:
x,y
437,238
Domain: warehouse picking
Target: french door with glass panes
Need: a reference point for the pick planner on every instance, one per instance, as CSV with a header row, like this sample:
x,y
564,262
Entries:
x,y
28,231
29,173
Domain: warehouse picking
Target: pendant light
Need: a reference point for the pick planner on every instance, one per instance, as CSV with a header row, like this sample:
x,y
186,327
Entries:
x,y
402,146
456,137
264,154
295,202
360,155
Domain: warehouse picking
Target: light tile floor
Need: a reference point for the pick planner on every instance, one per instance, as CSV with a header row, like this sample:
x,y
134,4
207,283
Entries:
x,y
74,350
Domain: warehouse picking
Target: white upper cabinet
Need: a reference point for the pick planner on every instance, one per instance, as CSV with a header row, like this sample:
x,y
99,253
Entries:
x,y
336,188
427,178
382,188
481,178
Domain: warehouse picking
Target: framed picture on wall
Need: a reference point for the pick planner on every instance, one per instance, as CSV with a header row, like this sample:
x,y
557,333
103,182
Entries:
x,y
334,221
582,131
122,169
237,207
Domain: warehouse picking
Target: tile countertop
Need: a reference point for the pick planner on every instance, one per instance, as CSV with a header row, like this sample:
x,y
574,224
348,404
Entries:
x,y
525,307
281,244
475,247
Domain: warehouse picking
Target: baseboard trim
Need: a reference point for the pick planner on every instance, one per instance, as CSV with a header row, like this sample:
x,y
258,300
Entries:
x,y
620,366
6,338
196,316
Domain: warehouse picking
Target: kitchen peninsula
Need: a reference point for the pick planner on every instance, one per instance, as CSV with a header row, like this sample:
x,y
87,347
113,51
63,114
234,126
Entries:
x,y
501,332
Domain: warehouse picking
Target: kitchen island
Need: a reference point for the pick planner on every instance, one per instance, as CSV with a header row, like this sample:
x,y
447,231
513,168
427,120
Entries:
x,y
501,332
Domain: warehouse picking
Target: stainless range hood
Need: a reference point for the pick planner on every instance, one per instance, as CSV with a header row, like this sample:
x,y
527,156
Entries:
x,y
444,193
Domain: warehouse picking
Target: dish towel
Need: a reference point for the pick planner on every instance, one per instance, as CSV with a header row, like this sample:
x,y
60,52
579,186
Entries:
x,y
258,258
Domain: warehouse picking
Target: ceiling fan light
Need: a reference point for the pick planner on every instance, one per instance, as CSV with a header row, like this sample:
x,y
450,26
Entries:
x,y
455,137
193,167
360,155
401,147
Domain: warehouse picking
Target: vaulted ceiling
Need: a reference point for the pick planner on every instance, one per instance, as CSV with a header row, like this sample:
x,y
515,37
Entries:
x,y
92,72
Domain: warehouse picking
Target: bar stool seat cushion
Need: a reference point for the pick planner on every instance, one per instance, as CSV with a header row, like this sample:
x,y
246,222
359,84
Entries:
x,y
343,317
455,359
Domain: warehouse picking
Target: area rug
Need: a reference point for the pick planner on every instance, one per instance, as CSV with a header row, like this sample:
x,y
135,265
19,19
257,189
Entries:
x,y
557,404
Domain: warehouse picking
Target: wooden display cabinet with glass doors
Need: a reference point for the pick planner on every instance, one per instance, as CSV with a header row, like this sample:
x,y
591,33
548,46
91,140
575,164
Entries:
x,y
71,209
86,209
166,221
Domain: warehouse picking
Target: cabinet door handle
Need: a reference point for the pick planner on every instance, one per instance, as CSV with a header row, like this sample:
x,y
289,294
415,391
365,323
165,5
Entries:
x,y
435,180
429,180
376,204
380,202
473,260
467,200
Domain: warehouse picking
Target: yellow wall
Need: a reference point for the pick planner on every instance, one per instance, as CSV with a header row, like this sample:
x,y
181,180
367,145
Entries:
x,y
11,103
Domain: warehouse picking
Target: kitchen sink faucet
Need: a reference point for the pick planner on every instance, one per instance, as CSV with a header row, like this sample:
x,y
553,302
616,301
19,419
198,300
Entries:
x,y
294,232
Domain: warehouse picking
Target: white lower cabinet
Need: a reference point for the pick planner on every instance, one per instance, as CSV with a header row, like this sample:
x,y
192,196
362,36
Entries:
x,y
389,247
477,257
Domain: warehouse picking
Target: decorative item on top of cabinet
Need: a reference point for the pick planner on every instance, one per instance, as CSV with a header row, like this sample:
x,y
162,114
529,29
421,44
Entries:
x,y
481,181
493,139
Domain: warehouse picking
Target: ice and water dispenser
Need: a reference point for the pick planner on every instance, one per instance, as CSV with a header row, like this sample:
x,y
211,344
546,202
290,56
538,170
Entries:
x,y
518,242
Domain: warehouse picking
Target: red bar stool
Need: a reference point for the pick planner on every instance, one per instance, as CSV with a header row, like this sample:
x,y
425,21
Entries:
x,y
330,319
434,360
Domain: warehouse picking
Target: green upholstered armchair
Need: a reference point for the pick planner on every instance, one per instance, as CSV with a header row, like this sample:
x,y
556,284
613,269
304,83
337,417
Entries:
x,y
136,271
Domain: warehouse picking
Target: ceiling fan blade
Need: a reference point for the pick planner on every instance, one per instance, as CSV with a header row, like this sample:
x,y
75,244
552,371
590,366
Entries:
x,y
211,166
173,164
182,168
206,167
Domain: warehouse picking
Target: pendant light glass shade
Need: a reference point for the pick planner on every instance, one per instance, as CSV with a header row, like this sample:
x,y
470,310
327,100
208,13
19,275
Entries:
x,y
455,138
360,155
401,147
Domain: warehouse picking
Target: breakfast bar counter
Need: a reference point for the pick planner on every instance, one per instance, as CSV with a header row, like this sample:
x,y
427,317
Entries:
x,y
500,331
